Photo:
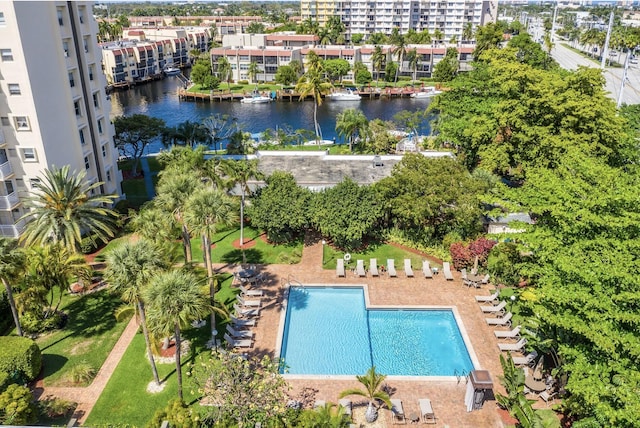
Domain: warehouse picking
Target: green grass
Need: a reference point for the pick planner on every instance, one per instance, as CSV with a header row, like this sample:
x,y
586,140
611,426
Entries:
x,y
154,164
114,243
382,252
262,253
125,399
89,336
136,191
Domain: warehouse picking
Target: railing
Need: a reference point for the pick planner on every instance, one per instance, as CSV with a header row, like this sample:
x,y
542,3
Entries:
x,y
9,201
12,230
5,170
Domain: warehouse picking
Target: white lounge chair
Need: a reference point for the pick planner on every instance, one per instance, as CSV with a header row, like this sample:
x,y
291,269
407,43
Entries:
x,y
446,271
546,396
360,268
391,268
426,411
510,334
319,403
397,411
250,293
513,346
527,360
407,268
426,269
499,308
505,320
246,312
340,268
485,279
347,405
234,343
487,299
239,334
242,323
249,303
373,267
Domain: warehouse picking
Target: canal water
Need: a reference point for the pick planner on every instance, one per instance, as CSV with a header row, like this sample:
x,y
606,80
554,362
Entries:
x,y
160,99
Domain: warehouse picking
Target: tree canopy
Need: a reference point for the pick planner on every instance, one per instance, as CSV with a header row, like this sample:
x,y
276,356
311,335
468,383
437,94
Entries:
x,y
134,133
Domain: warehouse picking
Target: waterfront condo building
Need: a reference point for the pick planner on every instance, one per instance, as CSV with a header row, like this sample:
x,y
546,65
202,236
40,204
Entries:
x,y
381,16
53,106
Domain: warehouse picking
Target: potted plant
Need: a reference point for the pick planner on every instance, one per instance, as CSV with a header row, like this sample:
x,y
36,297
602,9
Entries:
x,y
372,383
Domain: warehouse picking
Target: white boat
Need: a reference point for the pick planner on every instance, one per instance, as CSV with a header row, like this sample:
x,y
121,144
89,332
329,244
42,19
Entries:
x,y
426,93
256,99
344,96
171,71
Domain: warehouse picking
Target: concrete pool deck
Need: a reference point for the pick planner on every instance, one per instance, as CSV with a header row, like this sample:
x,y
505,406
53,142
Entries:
x,y
447,397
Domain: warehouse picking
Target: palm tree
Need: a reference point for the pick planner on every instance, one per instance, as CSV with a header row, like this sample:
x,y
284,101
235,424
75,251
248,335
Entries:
x,y
173,192
240,172
413,59
207,209
312,83
154,225
372,382
173,301
220,127
192,133
224,71
378,58
351,123
253,71
467,32
438,35
64,206
129,268
398,40
12,262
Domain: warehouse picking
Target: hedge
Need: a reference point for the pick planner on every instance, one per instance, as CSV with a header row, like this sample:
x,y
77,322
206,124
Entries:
x,y
4,381
20,355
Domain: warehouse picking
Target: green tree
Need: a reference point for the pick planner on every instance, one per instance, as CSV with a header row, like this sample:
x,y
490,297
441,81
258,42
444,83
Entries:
x,y
17,407
255,28
378,60
192,134
530,52
350,124
199,72
224,71
377,38
378,139
487,36
134,134
399,47
357,38
64,205
220,127
361,74
313,84
174,300
253,70
285,75
467,32
447,68
12,263
413,59
336,68
372,382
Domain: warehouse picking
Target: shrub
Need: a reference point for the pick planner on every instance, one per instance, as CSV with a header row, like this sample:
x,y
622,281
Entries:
x,y
17,406
464,255
90,244
236,87
82,373
56,407
243,82
6,320
177,414
32,324
20,355
5,381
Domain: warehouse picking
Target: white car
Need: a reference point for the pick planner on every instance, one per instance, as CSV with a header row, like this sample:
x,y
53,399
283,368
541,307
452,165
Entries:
x,y
633,60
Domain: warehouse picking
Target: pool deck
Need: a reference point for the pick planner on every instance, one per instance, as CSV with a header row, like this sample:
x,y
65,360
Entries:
x,y
447,397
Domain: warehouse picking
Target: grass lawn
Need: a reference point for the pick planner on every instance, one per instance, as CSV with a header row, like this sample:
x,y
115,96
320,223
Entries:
x,y
114,243
136,191
261,252
125,400
88,337
382,252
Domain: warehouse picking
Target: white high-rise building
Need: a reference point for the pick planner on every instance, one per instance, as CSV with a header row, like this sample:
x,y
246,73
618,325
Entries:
x,y
381,16
53,106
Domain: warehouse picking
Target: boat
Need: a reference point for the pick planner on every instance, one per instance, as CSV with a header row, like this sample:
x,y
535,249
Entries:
x,y
171,71
426,93
256,99
344,96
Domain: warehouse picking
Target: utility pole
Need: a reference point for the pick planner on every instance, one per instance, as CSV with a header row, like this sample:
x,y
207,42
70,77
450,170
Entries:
x,y
605,51
624,79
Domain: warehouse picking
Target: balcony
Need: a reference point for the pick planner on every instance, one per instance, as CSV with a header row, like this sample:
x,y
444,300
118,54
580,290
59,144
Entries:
x,y
3,140
12,230
9,202
5,170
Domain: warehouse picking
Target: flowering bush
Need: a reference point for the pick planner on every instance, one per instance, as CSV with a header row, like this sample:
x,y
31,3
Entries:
x,y
464,255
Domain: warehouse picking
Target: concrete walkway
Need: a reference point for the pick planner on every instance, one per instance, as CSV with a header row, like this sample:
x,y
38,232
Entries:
x,y
148,177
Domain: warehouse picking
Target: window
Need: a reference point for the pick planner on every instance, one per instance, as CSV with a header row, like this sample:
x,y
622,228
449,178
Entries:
x,y
81,132
104,151
109,175
76,107
96,100
86,45
72,82
22,123
14,88
87,164
65,47
60,21
6,55
91,72
2,21
28,154
34,182
4,121
100,127
20,183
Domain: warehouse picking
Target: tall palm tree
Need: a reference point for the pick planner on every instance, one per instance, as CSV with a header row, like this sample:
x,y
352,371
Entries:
x,y
64,206
400,44
412,59
173,192
206,210
12,262
220,127
378,58
174,300
351,123
224,71
438,35
372,383
154,225
313,83
253,71
467,32
240,173
192,134
129,269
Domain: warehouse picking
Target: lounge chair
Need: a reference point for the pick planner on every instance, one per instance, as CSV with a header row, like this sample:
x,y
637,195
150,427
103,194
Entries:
x,y
397,411
239,334
319,403
513,346
446,271
546,396
373,267
340,268
246,312
407,268
360,268
238,343
487,299
485,279
426,269
426,411
250,293
391,268
505,320
498,309
510,334
252,303
527,360
242,323
346,404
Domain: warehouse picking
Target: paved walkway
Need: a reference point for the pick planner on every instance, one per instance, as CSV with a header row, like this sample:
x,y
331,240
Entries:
x,y
148,177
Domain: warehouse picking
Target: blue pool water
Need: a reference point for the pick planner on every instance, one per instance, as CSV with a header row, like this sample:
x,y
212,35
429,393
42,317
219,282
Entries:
x,y
328,331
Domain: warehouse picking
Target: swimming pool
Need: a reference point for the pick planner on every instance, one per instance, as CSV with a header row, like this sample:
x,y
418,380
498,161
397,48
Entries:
x,y
329,331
